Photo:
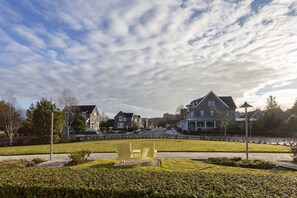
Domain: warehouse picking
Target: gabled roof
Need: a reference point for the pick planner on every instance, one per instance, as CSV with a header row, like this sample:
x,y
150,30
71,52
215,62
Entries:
x,y
228,99
128,115
86,108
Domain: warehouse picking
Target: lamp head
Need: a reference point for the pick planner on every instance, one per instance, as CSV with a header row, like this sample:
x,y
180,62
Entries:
x,y
245,105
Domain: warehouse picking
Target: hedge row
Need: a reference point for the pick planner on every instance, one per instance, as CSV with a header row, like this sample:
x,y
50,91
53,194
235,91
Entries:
x,y
238,162
64,182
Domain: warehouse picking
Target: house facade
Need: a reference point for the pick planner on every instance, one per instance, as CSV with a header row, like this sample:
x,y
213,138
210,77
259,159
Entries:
x,y
253,116
208,113
127,121
91,114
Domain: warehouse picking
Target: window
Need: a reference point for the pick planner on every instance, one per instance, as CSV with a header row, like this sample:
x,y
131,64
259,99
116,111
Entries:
x,y
211,103
124,119
120,118
120,125
192,114
200,124
227,112
211,113
210,124
201,113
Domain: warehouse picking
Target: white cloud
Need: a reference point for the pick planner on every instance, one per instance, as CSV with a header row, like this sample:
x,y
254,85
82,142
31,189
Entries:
x,y
150,57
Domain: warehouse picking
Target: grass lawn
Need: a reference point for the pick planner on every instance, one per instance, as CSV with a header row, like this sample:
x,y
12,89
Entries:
x,y
186,165
161,145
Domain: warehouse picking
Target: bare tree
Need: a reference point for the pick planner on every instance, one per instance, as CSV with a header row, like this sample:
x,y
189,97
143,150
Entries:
x,y
10,118
179,108
68,103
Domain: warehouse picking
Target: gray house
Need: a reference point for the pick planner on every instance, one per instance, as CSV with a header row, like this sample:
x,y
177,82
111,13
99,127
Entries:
x,y
208,113
91,114
126,121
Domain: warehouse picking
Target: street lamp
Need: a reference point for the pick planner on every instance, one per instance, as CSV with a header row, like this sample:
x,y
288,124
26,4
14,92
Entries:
x,y
245,106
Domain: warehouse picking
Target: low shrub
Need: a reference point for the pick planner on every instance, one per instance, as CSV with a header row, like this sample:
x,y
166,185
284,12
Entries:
x,y
65,182
79,156
238,162
38,160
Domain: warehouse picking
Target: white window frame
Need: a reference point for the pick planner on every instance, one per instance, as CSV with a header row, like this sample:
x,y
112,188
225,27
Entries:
x,y
202,113
211,113
120,118
211,103
124,119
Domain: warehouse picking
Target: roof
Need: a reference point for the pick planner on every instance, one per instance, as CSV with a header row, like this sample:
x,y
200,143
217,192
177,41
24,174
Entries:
x,y
226,100
86,108
128,115
229,101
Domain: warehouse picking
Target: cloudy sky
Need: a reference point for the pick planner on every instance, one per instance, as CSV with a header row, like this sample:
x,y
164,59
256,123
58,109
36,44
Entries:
x,y
148,57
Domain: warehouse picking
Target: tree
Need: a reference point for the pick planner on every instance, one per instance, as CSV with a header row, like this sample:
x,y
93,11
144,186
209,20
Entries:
x,y
10,118
294,108
273,114
68,102
41,119
271,103
26,127
79,123
180,107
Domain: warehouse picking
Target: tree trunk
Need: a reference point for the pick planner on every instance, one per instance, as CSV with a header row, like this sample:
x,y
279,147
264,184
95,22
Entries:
x,y
10,138
68,135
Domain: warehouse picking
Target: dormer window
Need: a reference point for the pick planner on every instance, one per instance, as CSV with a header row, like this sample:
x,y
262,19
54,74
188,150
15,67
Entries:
x,y
211,103
120,118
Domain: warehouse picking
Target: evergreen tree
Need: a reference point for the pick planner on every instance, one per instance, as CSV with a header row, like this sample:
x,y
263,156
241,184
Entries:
x,y
79,124
41,118
273,114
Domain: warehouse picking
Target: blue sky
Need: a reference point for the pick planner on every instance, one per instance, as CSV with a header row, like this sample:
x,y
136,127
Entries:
x,y
149,57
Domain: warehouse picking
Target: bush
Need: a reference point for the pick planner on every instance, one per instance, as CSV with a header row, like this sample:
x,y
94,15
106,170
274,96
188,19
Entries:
x,y
65,182
237,161
79,156
38,160
293,151
45,140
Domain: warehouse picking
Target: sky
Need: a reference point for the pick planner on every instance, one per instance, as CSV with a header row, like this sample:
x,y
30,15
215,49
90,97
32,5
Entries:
x,y
148,57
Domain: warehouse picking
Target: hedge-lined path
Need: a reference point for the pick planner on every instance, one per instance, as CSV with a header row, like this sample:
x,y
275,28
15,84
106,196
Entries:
x,y
188,155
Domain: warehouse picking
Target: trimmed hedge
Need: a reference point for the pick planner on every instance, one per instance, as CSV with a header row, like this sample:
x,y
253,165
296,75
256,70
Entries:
x,y
238,162
64,182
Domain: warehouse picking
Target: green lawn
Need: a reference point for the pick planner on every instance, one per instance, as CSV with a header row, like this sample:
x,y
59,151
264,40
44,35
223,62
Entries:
x,y
186,165
161,145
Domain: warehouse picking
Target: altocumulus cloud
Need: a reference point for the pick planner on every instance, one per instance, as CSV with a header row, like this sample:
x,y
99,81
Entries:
x,y
148,57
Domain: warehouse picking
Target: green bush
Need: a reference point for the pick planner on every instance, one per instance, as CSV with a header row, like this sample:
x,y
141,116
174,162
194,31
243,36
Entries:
x,y
38,160
237,161
65,182
79,156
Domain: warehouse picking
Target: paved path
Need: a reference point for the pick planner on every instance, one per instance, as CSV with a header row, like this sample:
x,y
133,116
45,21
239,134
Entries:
x,y
189,155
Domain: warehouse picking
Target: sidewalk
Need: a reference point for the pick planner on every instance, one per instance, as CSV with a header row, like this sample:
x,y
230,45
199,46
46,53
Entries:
x,y
188,155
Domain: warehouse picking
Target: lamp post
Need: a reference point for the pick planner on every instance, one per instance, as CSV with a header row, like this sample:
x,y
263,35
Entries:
x,y
52,109
52,136
245,106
